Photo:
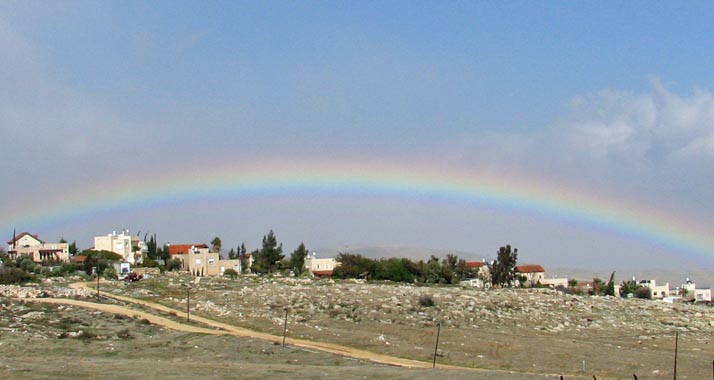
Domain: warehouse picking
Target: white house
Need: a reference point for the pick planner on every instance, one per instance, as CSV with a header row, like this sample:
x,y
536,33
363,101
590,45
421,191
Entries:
x,y
320,267
658,291
690,291
131,248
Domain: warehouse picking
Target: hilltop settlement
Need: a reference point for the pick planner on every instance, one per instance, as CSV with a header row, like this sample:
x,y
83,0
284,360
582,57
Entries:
x,y
121,255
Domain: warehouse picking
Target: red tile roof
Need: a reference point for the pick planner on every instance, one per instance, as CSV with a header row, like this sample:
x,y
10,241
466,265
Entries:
x,y
79,259
322,273
182,249
474,264
20,236
529,268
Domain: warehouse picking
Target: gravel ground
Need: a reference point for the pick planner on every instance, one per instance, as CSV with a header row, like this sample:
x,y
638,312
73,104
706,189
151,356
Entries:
x,y
522,330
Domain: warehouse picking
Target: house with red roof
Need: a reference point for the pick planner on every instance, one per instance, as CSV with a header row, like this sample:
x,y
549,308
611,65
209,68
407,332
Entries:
x,y
481,275
476,265
532,272
28,245
183,249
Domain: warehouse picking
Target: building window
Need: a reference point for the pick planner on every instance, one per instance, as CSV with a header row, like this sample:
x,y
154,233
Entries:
x,y
211,261
198,261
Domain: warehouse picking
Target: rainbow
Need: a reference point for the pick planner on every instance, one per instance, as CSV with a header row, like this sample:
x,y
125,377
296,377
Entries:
x,y
352,178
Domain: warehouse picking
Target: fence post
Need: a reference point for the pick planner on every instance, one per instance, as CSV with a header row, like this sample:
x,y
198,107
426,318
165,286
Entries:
x,y
436,346
285,327
188,304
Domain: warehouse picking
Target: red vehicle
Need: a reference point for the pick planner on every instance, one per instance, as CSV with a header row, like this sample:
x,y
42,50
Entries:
x,y
132,277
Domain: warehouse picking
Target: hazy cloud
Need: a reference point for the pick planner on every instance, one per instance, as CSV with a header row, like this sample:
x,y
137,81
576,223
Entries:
x,y
649,130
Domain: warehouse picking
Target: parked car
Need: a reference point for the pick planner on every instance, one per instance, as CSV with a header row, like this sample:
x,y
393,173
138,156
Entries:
x,y
132,277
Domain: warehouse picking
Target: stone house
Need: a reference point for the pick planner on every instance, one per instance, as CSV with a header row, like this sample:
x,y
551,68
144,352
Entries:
x,y
37,250
199,261
195,259
532,272
234,264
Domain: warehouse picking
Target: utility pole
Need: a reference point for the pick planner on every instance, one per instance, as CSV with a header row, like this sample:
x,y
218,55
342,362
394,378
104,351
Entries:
x,y
436,346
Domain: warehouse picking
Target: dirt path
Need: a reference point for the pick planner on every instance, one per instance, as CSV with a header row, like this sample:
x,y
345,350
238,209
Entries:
x,y
116,309
226,329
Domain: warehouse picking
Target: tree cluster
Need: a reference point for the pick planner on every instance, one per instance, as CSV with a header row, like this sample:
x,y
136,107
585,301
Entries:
x,y
98,260
451,270
503,270
268,258
631,288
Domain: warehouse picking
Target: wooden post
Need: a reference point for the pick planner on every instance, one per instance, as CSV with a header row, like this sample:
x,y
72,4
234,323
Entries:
x,y
676,346
436,346
188,304
285,327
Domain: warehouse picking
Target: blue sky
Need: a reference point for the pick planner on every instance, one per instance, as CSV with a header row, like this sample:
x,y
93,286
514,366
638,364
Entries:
x,y
608,95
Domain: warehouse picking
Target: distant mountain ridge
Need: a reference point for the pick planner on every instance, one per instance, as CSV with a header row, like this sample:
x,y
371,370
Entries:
x,y
387,251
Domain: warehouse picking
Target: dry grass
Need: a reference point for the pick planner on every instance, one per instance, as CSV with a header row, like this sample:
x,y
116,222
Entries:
x,y
125,348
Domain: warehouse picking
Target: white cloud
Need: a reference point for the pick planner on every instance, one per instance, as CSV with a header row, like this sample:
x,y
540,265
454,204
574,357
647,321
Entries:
x,y
657,145
614,127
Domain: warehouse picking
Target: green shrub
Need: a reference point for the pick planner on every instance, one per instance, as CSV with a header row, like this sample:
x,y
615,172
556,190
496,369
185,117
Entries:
x,y
150,263
173,264
230,273
67,269
110,273
28,265
15,276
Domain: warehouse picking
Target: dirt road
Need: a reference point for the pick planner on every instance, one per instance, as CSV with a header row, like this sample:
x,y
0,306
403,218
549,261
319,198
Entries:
x,y
227,329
